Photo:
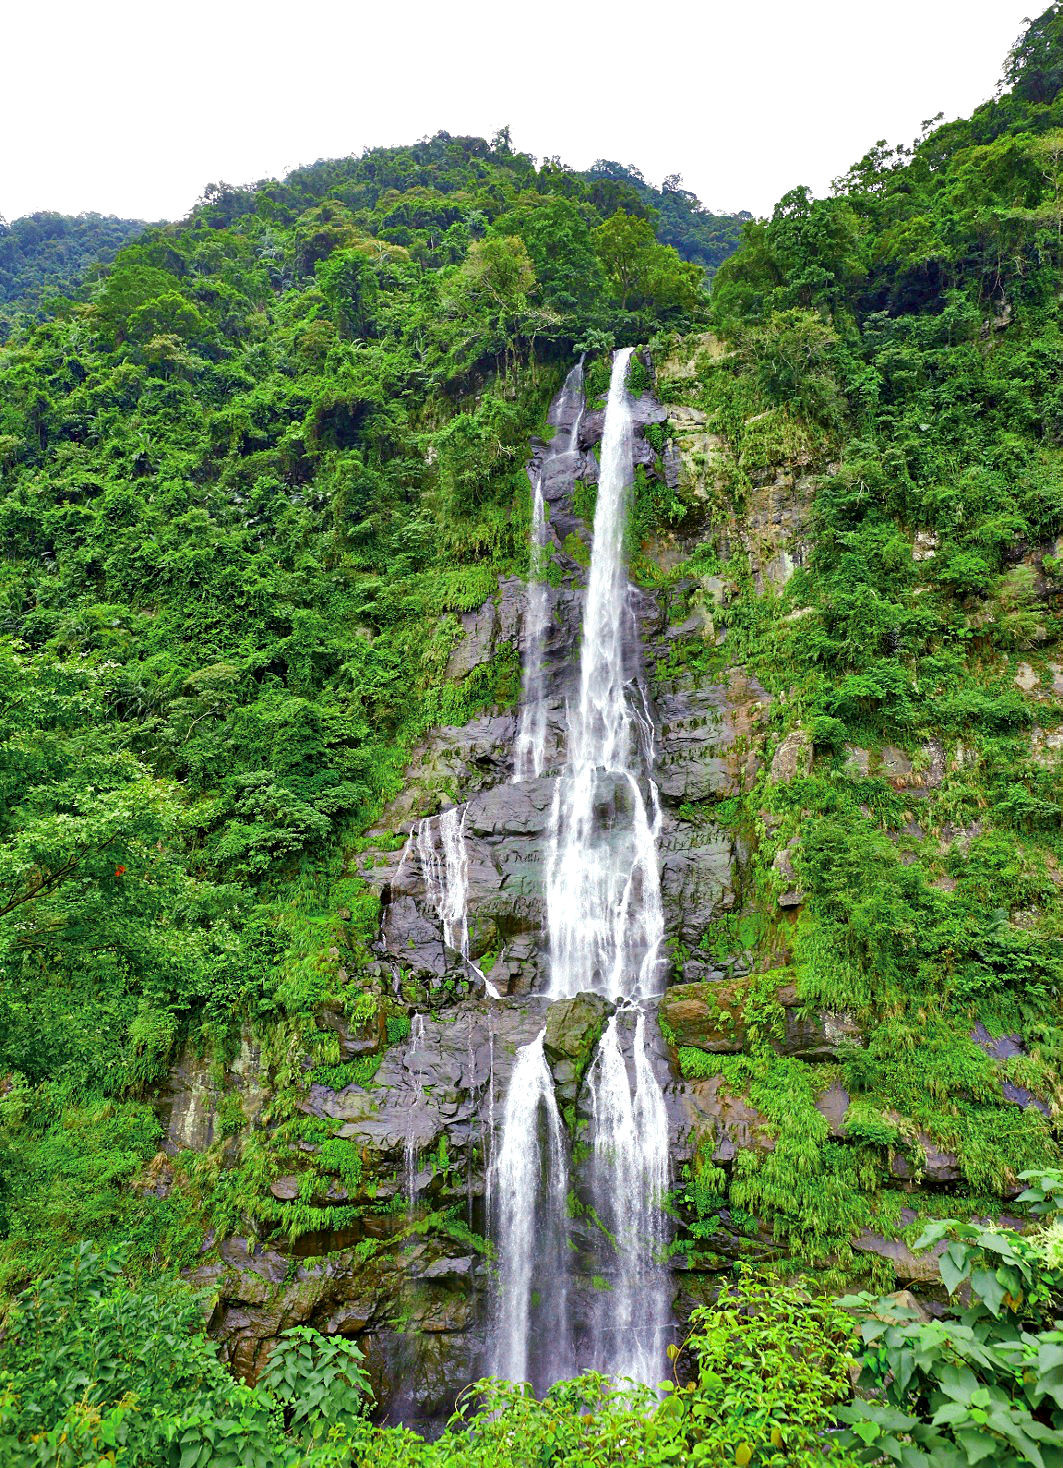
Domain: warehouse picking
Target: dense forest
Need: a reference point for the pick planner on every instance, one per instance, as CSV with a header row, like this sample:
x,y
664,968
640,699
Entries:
x,y
46,255
257,467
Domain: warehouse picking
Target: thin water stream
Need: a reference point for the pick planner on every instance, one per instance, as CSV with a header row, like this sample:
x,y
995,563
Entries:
x,y
444,856
409,1150
529,751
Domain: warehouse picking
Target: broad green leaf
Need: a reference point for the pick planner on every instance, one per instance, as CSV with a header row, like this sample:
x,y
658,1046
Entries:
x,y
988,1288
955,1264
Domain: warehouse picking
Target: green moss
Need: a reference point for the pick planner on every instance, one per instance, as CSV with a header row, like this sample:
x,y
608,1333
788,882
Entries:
x,y
584,500
639,380
357,1072
575,546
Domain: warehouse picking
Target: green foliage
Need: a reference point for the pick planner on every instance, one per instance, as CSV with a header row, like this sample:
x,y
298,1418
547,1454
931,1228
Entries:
x,y
888,353
398,1026
680,219
986,1382
763,1378
252,476
769,1362
94,1366
643,275
357,1072
252,481
318,1381
45,255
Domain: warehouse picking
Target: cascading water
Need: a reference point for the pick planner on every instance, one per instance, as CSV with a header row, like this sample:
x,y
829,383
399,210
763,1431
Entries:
x,y
629,1175
529,1186
603,893
444,857
444,861
605,924
529,752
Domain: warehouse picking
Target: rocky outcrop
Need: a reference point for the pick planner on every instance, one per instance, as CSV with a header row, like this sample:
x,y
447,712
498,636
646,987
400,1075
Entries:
x,y
713,1017
792,758
573,1029
202,1096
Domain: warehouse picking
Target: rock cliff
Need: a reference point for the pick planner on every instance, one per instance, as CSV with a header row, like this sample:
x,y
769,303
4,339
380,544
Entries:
x,y
408,1272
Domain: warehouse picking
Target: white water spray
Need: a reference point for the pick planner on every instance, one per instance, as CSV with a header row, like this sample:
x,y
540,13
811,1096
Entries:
x,y
603,892
629,1176
606,926
606,922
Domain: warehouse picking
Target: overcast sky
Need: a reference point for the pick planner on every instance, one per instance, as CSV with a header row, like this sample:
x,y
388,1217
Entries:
x,y
132,106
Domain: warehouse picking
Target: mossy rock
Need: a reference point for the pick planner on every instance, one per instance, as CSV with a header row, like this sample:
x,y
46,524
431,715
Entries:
x,y
573,1029
705,1015
713,1017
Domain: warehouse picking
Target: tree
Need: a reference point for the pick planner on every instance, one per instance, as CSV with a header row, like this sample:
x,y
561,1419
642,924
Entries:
x,y
642,272
92,882
1035,66
558,240
492,290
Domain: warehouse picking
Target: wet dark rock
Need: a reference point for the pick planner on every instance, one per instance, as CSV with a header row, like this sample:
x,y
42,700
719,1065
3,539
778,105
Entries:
x,y
697,877
908,1267
704,740
438,1085
364,1040
706,1109
1020,1096
792,896
817,1036
833,1104
999,1047
926,1161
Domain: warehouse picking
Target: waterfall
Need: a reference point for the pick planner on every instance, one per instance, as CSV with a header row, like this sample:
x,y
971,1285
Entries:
x,y
487,1136
445,864
605,924
529,1186
529,753
603,891
629,1176
444,858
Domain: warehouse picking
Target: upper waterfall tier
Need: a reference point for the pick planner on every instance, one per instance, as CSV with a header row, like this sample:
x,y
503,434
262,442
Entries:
x,y
603,893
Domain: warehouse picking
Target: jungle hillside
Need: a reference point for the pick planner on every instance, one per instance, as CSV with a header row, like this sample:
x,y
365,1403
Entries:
x,y
266,542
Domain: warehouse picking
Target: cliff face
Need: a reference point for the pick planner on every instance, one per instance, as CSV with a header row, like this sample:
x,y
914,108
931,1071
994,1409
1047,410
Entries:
x,y
408,1273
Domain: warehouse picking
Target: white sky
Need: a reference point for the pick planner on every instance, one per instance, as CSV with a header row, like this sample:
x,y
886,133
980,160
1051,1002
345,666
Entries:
x,y
132,106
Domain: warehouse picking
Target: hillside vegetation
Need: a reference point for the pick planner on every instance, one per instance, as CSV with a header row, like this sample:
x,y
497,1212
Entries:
x,y
45,255
249,485
247,488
